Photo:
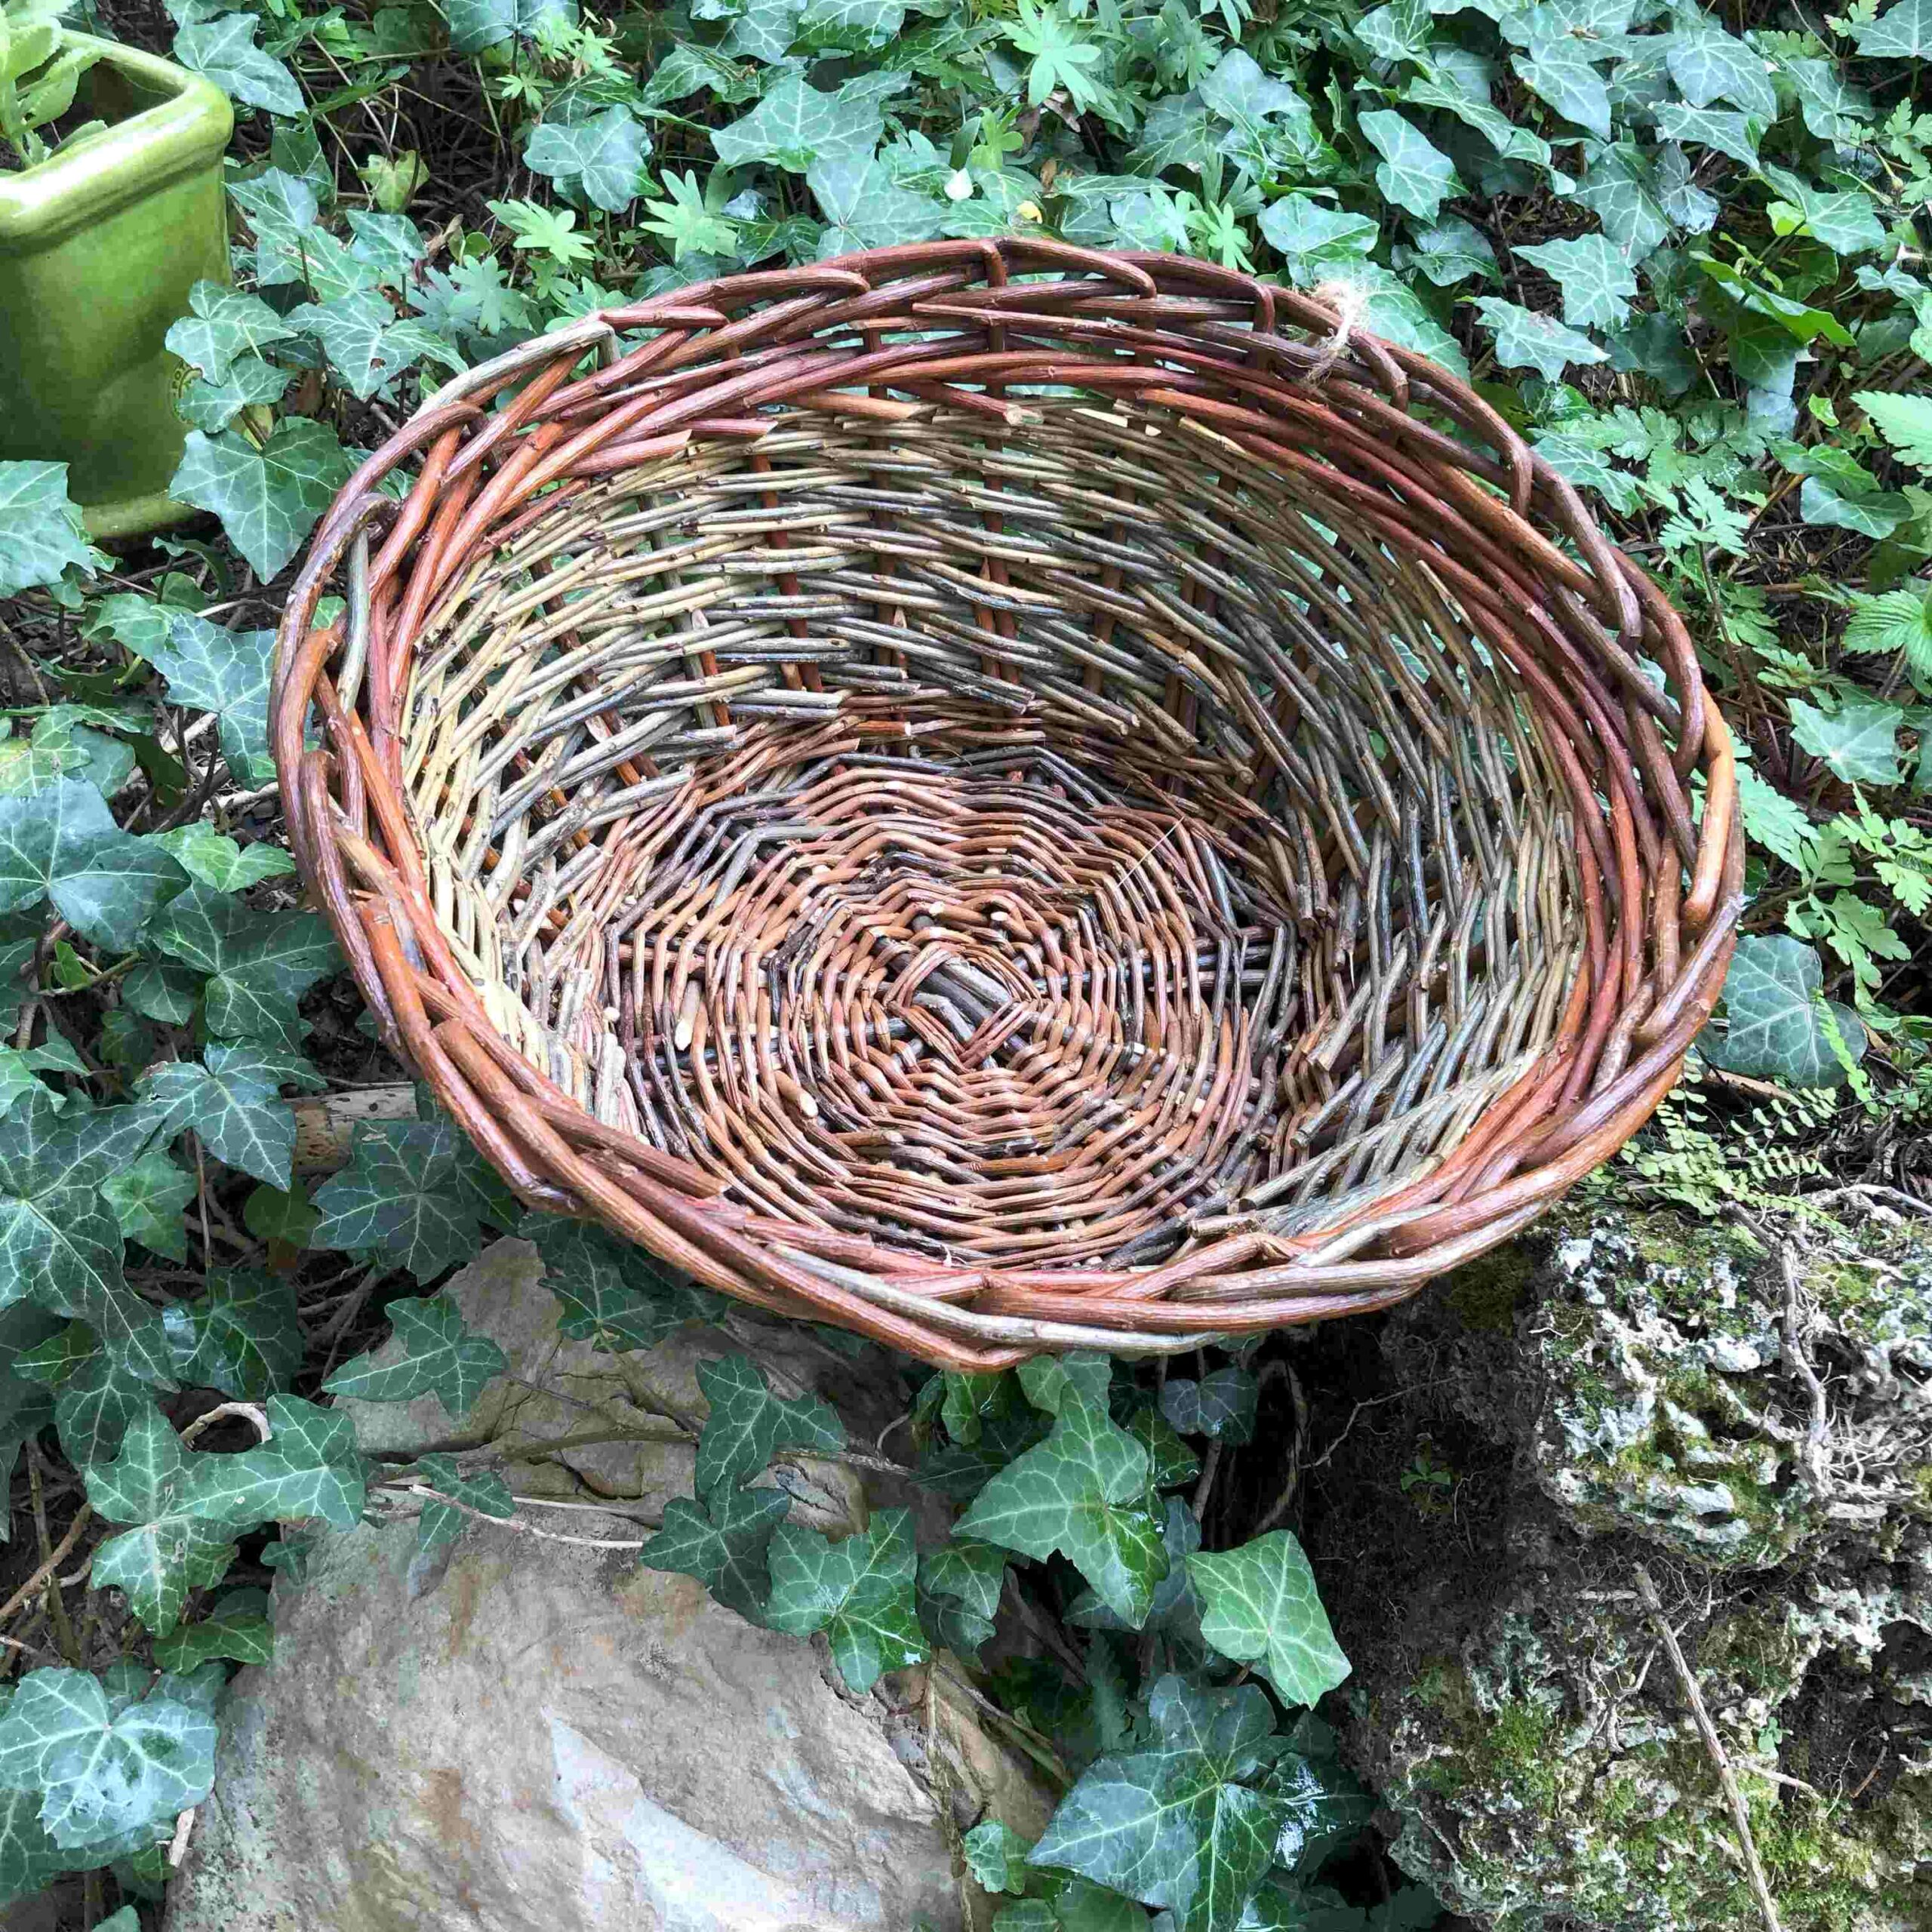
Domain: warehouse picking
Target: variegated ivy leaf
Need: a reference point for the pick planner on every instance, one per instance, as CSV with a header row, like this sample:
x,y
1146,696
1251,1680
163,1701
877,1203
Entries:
x,y
415,1193
599,159
722,1543
612,1294
1562,70
1259,1606
1858,740
241,1335
1219,1406
1904,31
212,858
367,344
1083,1494
171,1550
268,498
250,383
1775,1025
1511,142
431,1352
1526,340
233,1098
1736,135
747,1425
1186,1823
223,325
1596,281
147,1197
1451,251
1710,65
223,50
258,963
105,1776
864,208
60,1243
61,844
1311,234
858,1591
796,125
237,1628
1414,172
29,1858
476,24
440,1523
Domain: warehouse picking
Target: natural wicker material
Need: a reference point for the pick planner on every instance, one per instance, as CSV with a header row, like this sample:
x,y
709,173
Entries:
x,y
1007,798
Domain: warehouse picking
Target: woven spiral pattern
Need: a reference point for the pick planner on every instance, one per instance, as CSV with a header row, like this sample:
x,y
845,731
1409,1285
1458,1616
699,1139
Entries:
x,y
1007,798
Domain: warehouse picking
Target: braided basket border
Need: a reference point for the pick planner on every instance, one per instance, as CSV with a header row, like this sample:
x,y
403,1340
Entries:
x,y
1257,364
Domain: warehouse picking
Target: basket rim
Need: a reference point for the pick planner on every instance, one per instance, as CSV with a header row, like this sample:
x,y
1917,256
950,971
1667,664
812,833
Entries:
x,y
1608,1068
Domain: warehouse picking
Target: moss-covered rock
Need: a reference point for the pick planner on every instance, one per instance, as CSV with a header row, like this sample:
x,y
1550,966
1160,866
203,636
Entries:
x,y
1630,1391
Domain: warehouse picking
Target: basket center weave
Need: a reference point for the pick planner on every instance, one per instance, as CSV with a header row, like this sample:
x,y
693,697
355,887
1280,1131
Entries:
x,y
1047,841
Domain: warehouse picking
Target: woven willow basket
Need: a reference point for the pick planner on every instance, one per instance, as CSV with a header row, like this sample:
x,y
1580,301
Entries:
x,y
1007,798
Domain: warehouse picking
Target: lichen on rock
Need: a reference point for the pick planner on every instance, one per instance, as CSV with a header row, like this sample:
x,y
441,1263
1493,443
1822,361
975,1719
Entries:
x,y
1625,1390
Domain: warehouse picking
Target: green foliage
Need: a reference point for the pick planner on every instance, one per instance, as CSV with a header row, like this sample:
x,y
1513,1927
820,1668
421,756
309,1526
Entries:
x,y
40,71
434,1354
416,1194
858,1591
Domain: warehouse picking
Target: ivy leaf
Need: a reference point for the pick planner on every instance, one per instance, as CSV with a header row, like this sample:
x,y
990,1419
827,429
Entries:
x,y
996,1856
223,50
236,1629
600,159
95,1403
1414,172
241,1335
309,1466
206,666
366,343
437,1356
1596,281
1259,1606
1858,742
440,1525
1846,224
258,963
864,207
212,858
40,532
170,1552
1736,135
105,1775
60,1243
61,844
795,124
1526,340
747,1425
1901,32
1503,135
1220,1405
223,325
1774,1027
1710,65
1173,1612
1451,251
722,1543
268,499
858,1591
1172,1463
416,1192
1621,188
612,1294
1560,68
959,1587
1082,1494
29,1858
1319,237
1178,1825
147,1197
476,24
233,1100
1824,502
